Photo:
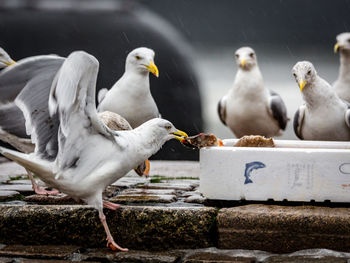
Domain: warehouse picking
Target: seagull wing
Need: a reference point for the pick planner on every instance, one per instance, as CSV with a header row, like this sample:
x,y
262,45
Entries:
x,y
278,109
101,95
299,121
31,77
347,113
222,109
72,98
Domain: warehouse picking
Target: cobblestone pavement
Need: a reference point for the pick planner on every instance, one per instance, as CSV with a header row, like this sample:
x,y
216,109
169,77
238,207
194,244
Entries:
x,y
165,218
63,254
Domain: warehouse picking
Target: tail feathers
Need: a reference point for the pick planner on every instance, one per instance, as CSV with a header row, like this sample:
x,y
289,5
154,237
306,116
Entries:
x,y
36,166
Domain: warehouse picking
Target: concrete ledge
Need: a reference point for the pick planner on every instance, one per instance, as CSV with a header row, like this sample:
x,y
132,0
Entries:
x,y
284,229
133,227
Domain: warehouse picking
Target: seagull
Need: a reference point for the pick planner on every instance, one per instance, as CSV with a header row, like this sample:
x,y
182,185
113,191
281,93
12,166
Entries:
x,y
342,84
89,156
130,96
5,59
25,78
324,116
249,108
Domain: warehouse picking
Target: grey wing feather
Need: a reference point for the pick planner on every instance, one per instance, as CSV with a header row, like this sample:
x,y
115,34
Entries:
x,y
347,114
222,110
13,78
33,102
298,122
101,95
12,120
278,109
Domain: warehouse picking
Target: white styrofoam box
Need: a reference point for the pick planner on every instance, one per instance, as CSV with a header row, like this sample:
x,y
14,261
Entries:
x,y
295,174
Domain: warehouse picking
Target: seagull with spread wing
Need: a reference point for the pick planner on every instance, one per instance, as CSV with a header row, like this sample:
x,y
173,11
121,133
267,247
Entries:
x,y
342,84
84,156
249,108
324,116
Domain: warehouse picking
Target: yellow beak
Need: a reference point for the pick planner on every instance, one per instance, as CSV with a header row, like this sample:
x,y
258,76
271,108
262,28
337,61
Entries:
x,y
336,47
153,69
243,62
180,135
302,84
10,63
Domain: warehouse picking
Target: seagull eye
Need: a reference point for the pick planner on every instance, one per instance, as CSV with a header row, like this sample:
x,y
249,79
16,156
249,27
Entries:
x,y
168,127
138,57
251,55
295,75
237,56
309,72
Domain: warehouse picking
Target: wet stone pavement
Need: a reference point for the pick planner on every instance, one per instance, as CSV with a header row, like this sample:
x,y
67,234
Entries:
x,y
163,219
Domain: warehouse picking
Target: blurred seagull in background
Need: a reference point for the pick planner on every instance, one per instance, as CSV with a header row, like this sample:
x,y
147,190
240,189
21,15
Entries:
x,y
342,84
130,96
89,155
324,116
249,108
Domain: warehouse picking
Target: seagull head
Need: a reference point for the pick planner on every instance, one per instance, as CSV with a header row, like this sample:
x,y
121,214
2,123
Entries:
x,y
304,73
246,58
5,59
343,42
142,60
158,131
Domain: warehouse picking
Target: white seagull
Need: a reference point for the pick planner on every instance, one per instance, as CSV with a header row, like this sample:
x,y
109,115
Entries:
x,y
342,84
324,116
90,156
249,108
131,96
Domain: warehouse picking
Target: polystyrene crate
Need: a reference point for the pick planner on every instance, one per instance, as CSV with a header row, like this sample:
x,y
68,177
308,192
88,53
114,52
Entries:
x,y
259,174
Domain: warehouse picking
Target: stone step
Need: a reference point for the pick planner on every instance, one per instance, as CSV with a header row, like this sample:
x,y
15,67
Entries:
x,y
283,229
135,227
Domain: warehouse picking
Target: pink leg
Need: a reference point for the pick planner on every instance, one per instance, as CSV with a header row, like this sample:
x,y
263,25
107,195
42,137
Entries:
x,y
110,241
39,190
110,205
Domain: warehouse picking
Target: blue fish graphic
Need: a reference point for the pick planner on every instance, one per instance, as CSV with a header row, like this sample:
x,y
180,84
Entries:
x,y
249,167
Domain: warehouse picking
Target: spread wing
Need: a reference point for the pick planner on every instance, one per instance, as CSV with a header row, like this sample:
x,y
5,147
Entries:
x,y
222,110
31,77
298,121
278,109
72,98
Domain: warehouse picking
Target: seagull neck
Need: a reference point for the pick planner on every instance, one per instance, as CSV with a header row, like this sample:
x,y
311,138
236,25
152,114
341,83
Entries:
x,y
319,94
344,68
148,142
137,78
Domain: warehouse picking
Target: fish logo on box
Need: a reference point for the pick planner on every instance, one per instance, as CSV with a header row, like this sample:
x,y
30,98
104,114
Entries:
x,y
249,167
344,168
